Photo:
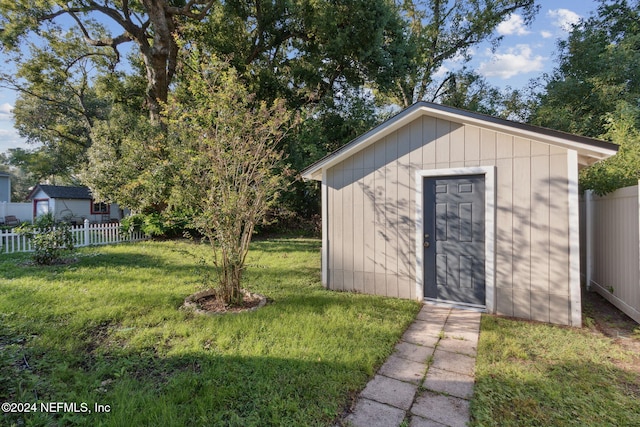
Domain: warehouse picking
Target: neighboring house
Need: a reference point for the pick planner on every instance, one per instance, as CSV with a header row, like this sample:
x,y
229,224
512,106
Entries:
x,y
11,213
74,204
457,207
5,187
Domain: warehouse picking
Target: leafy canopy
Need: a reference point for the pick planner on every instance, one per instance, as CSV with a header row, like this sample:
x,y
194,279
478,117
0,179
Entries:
x,y
596,88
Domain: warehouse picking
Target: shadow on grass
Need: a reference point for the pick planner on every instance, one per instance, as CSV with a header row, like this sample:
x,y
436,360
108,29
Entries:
x,y
123,343
195,389
573,393
19,265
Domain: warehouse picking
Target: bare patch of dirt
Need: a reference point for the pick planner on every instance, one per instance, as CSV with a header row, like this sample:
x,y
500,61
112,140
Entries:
x,y
604,318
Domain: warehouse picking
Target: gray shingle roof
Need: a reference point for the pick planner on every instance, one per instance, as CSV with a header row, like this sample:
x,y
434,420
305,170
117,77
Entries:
x,y
64,192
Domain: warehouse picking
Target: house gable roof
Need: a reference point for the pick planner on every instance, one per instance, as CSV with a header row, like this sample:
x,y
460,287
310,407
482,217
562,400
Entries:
x,y
589,150
62,192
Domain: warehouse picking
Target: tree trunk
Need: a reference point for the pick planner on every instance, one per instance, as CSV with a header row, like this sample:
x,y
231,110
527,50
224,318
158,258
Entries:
x,y
159,56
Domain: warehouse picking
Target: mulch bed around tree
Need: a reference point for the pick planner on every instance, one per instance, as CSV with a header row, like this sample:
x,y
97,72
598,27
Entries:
x,y
212,304
206,302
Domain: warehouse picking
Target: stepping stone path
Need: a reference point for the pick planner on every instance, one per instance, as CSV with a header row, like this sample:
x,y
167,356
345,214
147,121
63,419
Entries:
x,y
428,380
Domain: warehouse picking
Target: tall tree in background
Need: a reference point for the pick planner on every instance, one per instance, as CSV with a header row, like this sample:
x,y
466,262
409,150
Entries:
x,y
595,90
440,30
599,69
303,51
151,24
57,104
324,58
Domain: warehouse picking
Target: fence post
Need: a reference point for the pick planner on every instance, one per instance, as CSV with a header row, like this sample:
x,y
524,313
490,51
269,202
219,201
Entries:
x,y
87,235
589,212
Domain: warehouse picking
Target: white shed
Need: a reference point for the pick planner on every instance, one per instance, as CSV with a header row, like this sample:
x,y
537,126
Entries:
x,y
73,204
457,207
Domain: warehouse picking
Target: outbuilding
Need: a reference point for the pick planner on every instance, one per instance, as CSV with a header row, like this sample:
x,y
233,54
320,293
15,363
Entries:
x,y
461,208
72,204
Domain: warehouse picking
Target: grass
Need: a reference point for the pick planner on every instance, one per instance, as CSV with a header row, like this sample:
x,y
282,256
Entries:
x,y
533,374
108,330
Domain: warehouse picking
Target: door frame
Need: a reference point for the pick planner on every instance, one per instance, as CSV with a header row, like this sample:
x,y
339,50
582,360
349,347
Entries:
x,y
489,173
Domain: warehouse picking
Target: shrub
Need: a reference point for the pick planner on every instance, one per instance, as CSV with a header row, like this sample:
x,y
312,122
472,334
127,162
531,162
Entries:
x,y
165,224
51,241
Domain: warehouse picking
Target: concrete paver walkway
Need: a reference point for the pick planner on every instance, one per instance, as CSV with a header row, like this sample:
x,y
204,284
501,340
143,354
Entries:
x,y
429,378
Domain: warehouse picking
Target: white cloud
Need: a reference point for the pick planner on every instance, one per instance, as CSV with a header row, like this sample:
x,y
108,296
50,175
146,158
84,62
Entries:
x,y
546,34
516,60
563,18
513,25
441,72
6,111
9,138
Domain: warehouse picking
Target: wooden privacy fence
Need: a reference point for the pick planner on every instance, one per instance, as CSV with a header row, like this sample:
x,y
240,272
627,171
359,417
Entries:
x,y
83,235
612,242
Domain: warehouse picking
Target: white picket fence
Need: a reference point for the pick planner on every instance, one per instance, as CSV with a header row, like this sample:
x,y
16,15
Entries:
x,y
83,235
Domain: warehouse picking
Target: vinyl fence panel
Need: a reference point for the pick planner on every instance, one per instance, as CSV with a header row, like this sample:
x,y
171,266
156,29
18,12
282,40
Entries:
x,y
612,225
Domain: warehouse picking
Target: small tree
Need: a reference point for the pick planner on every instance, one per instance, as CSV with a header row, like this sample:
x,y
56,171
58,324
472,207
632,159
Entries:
x,y
227,162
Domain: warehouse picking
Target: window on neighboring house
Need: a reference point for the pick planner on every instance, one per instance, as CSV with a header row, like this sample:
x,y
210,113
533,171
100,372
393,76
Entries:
x,y
99,208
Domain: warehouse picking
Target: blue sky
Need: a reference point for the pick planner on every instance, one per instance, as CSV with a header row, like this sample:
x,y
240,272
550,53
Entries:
x,y
525,53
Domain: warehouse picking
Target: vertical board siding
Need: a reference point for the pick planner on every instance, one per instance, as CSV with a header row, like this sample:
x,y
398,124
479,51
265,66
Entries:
x,y
558,240
372,208
615,245
406,235
472,146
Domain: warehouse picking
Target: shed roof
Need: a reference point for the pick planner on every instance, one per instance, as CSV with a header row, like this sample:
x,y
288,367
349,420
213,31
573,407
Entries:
x,y
62,192
589,150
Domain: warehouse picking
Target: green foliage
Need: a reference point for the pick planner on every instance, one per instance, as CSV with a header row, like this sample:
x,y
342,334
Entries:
x,y
306,51
165,224
623,169
595,91
599,68
225,159
57,102
320,56
51,241
128,161
21,181
437,31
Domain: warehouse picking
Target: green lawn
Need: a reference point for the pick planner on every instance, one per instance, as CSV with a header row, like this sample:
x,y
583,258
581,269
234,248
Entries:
x,y
534,374
107,330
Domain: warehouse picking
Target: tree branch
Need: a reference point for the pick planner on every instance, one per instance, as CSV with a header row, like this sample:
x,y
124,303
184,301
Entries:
x,y
21,89
86,55
186,10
